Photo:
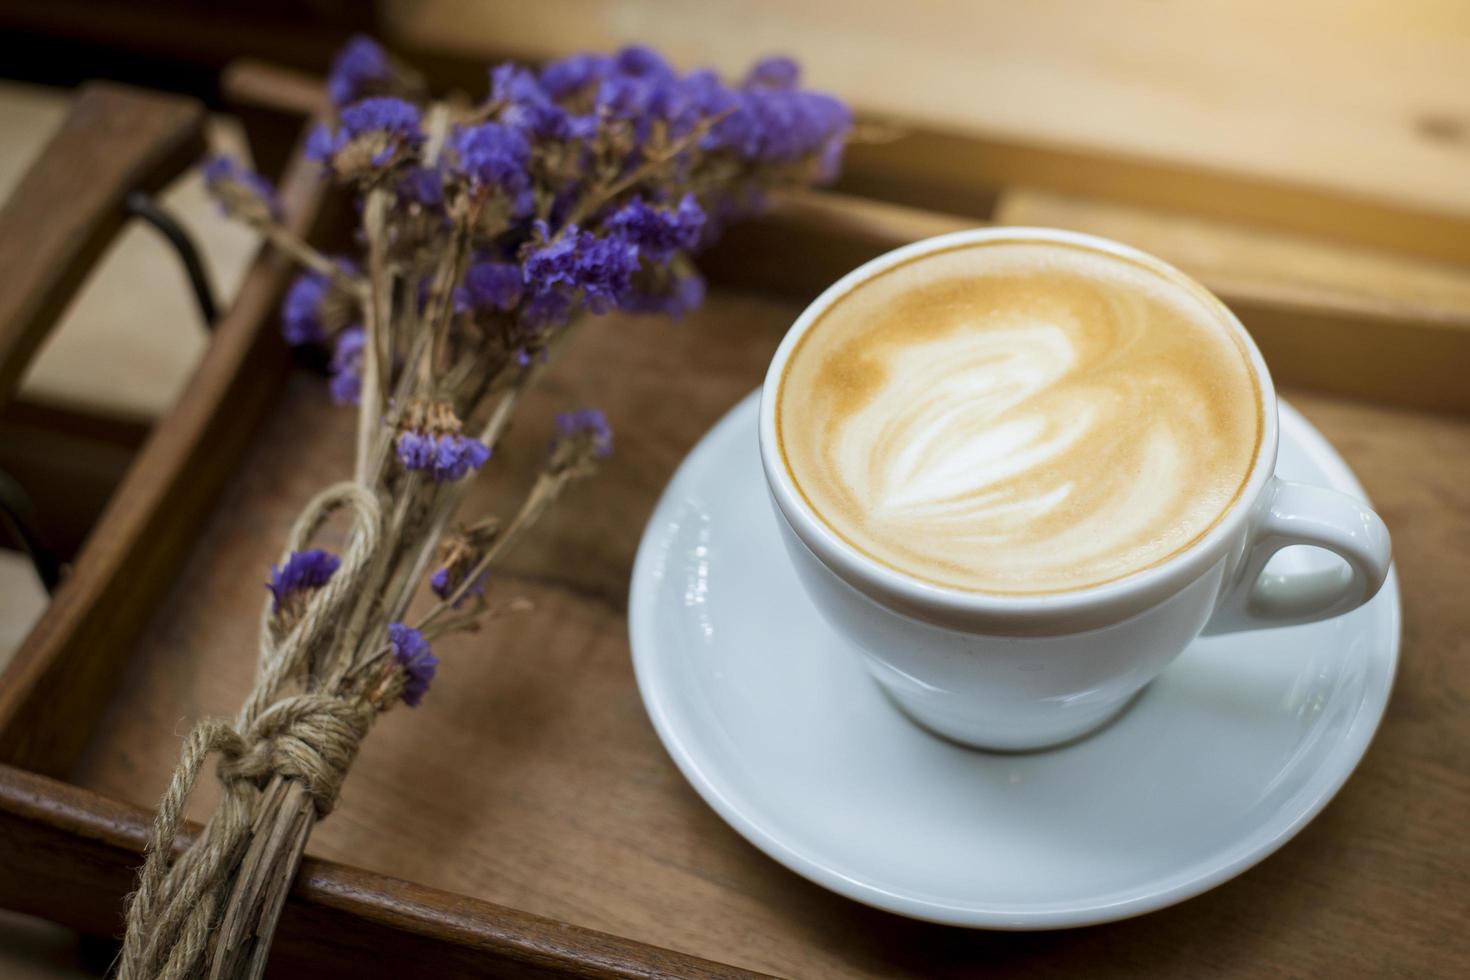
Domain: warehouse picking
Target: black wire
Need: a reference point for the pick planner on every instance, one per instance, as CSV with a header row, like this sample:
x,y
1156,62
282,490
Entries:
x,y
17,514
142,205
18,517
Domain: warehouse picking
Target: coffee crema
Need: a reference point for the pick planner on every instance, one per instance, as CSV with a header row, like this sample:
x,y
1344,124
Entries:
x,y
1016,416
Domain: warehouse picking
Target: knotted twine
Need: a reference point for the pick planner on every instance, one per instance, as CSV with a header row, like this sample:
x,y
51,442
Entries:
x,y
311,737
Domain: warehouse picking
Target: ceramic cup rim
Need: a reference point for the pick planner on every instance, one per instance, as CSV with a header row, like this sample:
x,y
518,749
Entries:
x,y
1063,612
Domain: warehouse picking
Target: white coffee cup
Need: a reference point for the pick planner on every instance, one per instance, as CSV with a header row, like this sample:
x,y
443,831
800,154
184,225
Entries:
x,y
1030,671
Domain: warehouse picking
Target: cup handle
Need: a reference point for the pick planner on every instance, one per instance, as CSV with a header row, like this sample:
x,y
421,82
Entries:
x,y
1298,513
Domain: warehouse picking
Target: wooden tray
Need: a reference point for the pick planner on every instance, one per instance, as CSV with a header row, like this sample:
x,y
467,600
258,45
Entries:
x,y
526,822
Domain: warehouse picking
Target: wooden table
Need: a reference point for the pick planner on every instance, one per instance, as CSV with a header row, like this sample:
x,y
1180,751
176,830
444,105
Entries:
x,y
532,777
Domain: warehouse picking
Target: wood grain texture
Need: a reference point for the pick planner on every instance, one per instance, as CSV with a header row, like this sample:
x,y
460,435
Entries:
x,y
1265,266
70,203
69,855
1348,119
531,777
965,173
67,665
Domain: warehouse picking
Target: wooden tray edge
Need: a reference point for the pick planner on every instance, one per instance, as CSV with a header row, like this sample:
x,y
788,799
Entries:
x,y
69,855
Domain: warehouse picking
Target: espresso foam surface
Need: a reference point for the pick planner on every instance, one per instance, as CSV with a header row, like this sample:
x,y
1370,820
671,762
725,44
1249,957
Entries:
x,y
1020,417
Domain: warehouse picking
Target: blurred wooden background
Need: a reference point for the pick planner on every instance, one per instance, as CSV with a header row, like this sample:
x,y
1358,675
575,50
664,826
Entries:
x,y
1361,96
1357,96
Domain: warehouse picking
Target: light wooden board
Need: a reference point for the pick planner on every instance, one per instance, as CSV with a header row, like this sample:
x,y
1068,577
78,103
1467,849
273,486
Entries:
x,y
1358,99
1268,266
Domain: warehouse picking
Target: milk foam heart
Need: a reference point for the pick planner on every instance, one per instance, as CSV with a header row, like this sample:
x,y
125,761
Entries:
x,y
1020,417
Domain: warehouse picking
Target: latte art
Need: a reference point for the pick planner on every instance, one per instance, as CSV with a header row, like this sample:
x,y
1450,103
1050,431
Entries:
x,y
1020,417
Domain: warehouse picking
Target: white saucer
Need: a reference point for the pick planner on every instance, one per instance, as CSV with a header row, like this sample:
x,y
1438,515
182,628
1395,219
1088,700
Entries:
x,y
1232,751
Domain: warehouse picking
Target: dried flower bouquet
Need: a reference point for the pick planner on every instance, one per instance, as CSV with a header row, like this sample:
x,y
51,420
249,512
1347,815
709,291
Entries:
x,y
489,233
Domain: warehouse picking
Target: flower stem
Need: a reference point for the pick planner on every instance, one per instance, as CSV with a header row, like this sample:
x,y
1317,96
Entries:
x,y
548,487
589,205
374,386
303,254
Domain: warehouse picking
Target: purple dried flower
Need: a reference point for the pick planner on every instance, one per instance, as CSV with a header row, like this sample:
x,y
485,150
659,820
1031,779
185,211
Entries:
x,y
639,87
657,231
382,115
346,367
302,570
374,133
766,121
569,75
546,308
218,168
313,307
457,456
550,140
776,71
361,68
700,95
222,170
444,457
605,268
411,652
300,319
416,450
774,126
555,262
444,582
599,268
240,191
423,186
494,157
321,144
684,295
637,99
490,286
639,61
524,98
587,426
528,107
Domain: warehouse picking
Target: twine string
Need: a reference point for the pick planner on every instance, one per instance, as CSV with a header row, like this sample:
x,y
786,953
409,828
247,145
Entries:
x,y
311,737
